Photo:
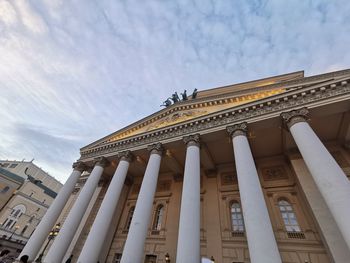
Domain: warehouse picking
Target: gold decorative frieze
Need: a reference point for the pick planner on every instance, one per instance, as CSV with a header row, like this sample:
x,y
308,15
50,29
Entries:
x,y
187,112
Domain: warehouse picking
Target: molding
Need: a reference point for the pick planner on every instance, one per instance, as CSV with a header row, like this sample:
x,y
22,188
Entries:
x,y
126,156
192,140
79,166
156,148
294,116
308,96
238,129
101,161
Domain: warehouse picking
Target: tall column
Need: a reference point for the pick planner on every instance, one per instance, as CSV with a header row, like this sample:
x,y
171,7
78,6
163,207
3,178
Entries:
x,y
66,234
101,225
41,232
134,245
328,176
188,243
261,240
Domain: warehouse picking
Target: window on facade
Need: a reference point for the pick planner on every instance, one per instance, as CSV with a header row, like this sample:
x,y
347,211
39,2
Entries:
x,y
31,219
128,220
9,223
288,216
157,224
117,258
24,229
5,165
13,165
236,217
5,189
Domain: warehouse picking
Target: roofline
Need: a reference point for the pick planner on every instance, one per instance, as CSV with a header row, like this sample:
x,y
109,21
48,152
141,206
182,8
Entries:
x,y
344,71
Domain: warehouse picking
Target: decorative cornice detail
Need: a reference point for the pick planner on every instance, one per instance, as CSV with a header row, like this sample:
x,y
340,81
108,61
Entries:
x,y
126,156
192,140
156,148
237,129
294,116
264,108
79,166
101,161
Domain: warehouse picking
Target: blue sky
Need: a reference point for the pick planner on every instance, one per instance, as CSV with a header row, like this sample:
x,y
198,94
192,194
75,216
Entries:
x,y
74,71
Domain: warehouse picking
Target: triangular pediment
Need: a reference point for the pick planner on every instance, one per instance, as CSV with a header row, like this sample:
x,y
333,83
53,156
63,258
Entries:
x,y
207,102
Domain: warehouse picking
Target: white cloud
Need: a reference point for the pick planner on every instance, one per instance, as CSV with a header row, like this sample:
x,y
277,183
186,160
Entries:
x,y
74,71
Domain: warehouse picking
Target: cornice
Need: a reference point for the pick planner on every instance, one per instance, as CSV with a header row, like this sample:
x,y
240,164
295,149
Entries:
x,y
304,96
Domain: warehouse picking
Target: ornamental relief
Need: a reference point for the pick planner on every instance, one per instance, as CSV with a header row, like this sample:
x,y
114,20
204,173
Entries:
x,y
274,173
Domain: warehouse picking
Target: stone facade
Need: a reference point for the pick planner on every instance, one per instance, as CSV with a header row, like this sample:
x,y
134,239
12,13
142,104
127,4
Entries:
x,y
241,181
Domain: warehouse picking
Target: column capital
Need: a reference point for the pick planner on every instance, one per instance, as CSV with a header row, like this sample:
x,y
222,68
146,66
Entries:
x,y
156,148
294,116
192,140
79,166
237,129
126,156
101,161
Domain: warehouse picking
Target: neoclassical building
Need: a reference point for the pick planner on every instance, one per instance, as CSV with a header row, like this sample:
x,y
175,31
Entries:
x,y
252,172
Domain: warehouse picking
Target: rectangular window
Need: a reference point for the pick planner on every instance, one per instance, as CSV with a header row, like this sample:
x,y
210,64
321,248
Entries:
x,y
151,259
13,165
4,165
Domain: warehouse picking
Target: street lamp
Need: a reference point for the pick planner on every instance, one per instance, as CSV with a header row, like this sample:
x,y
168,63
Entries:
x,y
167,258
53,233
14,231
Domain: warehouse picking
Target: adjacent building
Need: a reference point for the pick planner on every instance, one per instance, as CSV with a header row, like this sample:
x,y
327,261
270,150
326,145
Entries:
x,y
26,192
253,172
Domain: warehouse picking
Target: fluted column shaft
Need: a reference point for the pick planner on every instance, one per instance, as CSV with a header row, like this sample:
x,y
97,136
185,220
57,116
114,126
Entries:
x,y
188,244
134,245
328,176
261,240
101,225
66,234
48,221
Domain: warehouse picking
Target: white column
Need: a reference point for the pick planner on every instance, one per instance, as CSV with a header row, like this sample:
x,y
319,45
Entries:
x,y
41,232
101,225
134,245
66,234
328,176
261,240
188,243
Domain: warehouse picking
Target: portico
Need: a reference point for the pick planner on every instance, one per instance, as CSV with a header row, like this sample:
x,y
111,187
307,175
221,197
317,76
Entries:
x,y
219,181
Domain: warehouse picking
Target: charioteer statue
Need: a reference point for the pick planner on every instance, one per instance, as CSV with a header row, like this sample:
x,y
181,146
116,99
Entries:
x,y
175,98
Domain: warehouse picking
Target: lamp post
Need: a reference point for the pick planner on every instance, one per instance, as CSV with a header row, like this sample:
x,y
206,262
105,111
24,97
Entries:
x,y
52,235
14,231
167,258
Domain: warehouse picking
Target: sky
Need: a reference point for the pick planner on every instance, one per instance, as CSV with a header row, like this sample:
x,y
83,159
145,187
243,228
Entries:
x,y
73,71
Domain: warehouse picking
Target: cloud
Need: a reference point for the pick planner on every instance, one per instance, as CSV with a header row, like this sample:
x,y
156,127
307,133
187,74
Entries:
x,y
74,71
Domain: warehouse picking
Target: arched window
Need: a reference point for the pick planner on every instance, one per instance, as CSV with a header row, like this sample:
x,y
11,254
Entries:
x,y
18,210
288,216
157,223
129,218
236,217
